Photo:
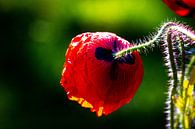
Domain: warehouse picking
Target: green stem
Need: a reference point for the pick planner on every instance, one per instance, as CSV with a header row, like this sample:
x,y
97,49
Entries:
x,y
163,31
174,78
164,36
183,67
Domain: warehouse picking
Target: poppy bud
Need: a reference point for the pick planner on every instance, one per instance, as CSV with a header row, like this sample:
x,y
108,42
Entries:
x,y
94,78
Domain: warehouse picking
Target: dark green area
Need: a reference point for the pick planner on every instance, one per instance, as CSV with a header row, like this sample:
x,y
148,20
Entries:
x,y
34,35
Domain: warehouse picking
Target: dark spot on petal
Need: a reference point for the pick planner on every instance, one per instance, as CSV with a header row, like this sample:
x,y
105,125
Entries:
x,y
114,45
104,54
181,3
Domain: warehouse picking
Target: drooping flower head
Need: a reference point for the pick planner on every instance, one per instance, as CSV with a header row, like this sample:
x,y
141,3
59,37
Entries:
x,y
182,7
95,78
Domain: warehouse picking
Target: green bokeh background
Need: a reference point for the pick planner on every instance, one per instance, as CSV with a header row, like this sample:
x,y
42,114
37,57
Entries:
x,y
34,35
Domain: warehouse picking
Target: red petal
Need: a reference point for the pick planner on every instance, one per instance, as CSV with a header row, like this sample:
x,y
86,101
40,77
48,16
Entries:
x,y
103,86
190,3
182,7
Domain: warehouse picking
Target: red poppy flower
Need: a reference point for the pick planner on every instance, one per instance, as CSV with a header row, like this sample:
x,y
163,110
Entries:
x,y
182,7
94,78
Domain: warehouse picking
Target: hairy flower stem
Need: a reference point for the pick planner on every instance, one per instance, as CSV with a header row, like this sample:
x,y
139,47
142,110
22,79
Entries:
x,y
163,32
183,66
174,79
175,39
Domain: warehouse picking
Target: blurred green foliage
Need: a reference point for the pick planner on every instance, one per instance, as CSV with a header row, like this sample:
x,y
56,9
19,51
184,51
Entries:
x,y
34,35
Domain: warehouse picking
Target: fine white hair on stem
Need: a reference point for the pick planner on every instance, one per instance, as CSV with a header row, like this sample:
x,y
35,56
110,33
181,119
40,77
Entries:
x,y
173,37
156,38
